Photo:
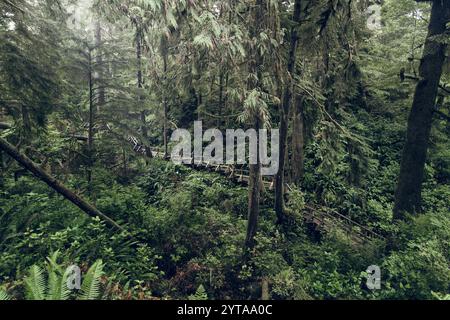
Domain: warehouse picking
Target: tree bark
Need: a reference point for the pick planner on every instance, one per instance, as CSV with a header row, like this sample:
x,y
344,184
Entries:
x,y
140,82
91,123
408,196
164,53
101,100
254,187
254,194
2,168
298,142
284,115
221,104
26,123
55,184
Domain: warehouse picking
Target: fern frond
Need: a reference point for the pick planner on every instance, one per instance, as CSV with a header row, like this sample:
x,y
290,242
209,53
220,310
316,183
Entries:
x,y
64,292
57,279
57,286
4,296
200,294
53,264
54,288
35,284
90,288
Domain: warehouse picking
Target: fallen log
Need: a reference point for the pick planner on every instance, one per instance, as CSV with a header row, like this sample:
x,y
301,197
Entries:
x,y
55,184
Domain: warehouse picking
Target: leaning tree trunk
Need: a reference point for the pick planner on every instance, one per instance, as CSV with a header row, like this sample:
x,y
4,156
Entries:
x,y
54,183
408,194
284,115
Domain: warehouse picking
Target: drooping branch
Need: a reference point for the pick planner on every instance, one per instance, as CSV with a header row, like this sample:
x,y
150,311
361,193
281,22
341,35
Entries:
x,y
55,184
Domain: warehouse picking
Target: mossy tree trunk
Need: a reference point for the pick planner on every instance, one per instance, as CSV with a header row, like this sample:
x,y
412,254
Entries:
x,y
408,196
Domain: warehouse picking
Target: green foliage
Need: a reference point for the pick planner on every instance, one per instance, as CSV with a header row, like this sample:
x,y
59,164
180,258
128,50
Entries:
x,y
288,285
57,279
35,284
200,294
54,286
441,296
90,288
224,64
420,266
417,270
4,296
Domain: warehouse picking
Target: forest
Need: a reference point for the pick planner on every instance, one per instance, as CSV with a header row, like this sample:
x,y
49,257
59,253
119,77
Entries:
x,y
351,99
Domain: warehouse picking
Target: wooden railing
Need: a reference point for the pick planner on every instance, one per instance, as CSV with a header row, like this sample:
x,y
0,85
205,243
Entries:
x,y
324,217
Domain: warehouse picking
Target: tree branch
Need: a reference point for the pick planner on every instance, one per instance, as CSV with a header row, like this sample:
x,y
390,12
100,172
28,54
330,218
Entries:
x,y
411,77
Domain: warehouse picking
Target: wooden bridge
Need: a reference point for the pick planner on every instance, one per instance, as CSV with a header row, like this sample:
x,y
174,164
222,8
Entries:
x,y
324,218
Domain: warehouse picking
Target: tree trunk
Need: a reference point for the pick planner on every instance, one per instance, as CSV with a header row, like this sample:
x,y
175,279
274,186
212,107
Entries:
x,y
254,192
54,183
254,187
298,143
26,123
140,83
99,60
221,104
408,194
91,125
284,115
164,53
265,294
2,169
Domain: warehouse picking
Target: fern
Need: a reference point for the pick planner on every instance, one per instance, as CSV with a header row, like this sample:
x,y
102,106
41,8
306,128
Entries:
x,y
90,288
438,296
57,279
38,287
35,284
200,294
57,285
4,296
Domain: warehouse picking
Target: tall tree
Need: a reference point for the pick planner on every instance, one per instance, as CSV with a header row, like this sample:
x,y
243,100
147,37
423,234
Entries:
x,y
408,194
255,66
298,140
91,121
101,98
284,113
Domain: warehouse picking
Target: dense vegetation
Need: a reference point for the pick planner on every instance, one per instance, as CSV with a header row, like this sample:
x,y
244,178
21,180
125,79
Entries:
x,y
363,113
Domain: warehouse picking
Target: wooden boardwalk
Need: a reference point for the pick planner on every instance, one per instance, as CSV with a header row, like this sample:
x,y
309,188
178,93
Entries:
x,y
324,218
